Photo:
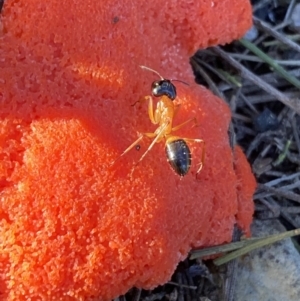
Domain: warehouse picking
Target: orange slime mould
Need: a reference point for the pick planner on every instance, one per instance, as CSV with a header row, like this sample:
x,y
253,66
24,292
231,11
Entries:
x,y
73,227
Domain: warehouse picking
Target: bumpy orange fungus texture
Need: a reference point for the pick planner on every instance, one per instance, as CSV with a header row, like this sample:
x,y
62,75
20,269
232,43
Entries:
x,y
246,184
72,227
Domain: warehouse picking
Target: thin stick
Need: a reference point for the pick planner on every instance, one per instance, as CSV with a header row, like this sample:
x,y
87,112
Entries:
x,y
207,78
255,245
279,192
292,103
281,37
291,79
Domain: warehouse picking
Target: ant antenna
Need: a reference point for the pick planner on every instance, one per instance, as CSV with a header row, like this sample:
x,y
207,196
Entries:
x,y
149,69
178,80
154,71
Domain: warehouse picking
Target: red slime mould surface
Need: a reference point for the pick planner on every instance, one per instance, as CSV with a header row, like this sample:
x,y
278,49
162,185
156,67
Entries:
x,y
72,227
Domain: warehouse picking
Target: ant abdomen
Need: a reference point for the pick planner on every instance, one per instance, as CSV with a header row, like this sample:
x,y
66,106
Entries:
x,y
179,156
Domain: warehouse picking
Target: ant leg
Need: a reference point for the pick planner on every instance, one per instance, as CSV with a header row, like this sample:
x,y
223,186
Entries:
x,y
141,99
184,123
176,109
156,139
133,144
153,115
158,135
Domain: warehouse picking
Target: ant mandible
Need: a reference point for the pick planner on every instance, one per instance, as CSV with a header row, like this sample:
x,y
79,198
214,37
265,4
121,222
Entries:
x,y
176,148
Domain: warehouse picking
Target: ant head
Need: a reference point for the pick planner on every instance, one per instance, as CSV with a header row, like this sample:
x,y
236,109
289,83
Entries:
x,y
163,87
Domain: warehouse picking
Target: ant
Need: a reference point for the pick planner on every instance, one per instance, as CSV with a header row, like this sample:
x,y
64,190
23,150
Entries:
x,y
176,148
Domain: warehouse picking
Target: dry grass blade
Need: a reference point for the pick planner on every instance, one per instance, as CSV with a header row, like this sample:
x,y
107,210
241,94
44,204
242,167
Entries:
x,y
293,80
280,192
137,294
283,155
191,287
283,179
239,245
253,58
213,87
280,37
292,103
232,79
258,243
194,254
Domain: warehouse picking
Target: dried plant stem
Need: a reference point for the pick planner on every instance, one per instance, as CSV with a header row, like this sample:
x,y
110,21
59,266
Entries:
x,y
283,155
292,103
281,193
182,285
207,78
219,249
231,273
255,245
280,37
291,79
283,179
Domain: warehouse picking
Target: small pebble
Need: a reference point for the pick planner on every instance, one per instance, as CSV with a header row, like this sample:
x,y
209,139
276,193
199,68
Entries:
x,y
266,121
251,34
271,273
